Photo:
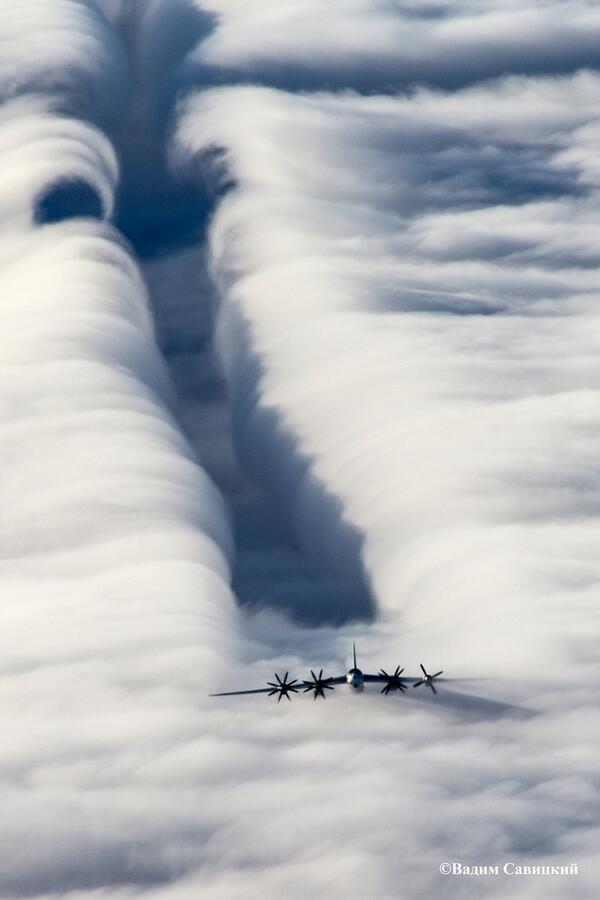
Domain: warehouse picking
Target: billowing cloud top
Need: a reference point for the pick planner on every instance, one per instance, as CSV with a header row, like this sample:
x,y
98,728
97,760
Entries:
x,y
66,47
421,268
371,45
48,155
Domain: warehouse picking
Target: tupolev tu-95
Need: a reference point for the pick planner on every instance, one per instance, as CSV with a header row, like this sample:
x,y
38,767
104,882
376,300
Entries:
x,y
354,678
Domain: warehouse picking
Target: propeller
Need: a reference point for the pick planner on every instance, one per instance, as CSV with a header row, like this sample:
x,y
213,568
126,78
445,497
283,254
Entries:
x,y
393,681
283,688
427,678
318,684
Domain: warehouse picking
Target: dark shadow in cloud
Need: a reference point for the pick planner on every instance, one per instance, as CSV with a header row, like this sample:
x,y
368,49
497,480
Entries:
x,y
375,74
158,210
476,173
449,170
426,11
158,37
271,571
94,867
67,200
269,453
409,300
156,213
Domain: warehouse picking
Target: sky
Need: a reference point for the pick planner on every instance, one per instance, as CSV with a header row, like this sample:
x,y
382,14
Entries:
x,y
300,341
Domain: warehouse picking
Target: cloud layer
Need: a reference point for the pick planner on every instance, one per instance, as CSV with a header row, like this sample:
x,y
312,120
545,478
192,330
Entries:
x,y
115,544
67,49
386,45
392,318
379,252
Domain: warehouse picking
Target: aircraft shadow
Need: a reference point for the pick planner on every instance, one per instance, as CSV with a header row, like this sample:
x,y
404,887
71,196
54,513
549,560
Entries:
x,y
472,705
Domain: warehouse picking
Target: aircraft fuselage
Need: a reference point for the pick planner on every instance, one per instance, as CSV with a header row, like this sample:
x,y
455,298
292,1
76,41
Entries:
x,y
355,679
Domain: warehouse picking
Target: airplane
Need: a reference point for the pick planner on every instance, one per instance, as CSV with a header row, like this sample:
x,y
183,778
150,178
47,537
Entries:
x,y
354,678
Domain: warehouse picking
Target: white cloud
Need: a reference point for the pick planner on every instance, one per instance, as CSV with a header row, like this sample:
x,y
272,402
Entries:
x,y
43,150
63,46
407,324
408,327
426,299
386,44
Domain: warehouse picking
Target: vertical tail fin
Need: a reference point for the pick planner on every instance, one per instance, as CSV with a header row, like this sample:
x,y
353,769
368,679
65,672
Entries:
x,y
354,655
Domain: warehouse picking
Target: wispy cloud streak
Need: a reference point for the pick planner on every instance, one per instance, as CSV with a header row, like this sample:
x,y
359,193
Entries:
x,y
389,45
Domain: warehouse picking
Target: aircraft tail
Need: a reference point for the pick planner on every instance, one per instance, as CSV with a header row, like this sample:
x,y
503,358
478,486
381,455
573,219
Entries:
x,y
354,655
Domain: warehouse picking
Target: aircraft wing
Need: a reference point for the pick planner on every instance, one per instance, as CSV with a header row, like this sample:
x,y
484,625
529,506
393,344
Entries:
x,y
380,679
411,679
299,684
266,690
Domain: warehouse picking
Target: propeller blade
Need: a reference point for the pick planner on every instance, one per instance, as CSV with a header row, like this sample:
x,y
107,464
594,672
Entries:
x,y
417,683
441,672
423,669
393,681
432,688
318,685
